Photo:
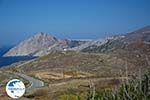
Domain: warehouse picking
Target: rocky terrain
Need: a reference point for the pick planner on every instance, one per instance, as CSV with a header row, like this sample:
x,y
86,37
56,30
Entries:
x,y
134,48
136,38
96,58
41,44
95,43
73,67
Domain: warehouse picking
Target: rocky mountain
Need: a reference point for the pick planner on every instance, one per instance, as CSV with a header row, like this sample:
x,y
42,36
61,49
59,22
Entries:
x,y
40,44
118,57
134,48
141,36
111,56
108,56
33,45
131,49
96,43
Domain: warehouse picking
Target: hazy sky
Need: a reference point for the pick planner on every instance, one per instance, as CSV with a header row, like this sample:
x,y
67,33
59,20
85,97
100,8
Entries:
x,y
76,19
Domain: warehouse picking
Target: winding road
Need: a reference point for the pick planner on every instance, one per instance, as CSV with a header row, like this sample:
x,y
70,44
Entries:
x,y
35,83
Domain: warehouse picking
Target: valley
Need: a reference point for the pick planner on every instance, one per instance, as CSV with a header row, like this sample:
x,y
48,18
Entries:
x,y
74,69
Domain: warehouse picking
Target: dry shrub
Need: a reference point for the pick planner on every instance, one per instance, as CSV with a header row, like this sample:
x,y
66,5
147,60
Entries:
x,y
41,91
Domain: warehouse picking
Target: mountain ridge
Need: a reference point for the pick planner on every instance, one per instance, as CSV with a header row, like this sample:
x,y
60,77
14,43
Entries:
x,y
41,44
34,44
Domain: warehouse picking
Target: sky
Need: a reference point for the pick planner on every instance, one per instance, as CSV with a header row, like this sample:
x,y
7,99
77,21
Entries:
x,y
74,19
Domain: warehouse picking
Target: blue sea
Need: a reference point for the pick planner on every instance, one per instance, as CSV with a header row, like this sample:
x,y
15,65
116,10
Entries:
x,y
4,61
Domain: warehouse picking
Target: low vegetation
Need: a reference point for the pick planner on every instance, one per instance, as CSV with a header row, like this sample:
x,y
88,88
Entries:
x,y
134,89
137,89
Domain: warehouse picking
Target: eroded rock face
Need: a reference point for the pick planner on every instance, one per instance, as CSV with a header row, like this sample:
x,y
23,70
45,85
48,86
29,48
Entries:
x,y
33,45
41,44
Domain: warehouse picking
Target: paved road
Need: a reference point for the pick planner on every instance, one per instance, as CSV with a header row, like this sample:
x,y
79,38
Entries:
x,y
35,83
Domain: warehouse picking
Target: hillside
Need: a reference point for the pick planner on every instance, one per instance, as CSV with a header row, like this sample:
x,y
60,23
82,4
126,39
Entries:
x,y
102,63
133,48
41,44
107,57
33,45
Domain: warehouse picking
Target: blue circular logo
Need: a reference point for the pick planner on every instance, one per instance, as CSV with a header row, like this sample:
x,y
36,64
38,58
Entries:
x,y
15,88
